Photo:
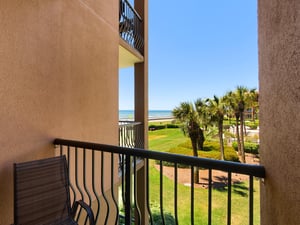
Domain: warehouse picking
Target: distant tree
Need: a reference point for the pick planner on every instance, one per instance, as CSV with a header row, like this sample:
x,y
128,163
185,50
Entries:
x,y
217,109
188,115
204,117
253,102
235,100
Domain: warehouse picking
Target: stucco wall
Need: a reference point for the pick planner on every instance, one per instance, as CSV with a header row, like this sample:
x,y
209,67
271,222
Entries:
x,y
58,78
279,78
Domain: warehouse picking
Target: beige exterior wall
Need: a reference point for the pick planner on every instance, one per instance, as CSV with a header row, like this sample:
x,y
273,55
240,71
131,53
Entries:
x,y
279,79
58,78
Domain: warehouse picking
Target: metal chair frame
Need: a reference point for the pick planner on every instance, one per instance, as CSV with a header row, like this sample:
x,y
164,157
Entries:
x,y
42,194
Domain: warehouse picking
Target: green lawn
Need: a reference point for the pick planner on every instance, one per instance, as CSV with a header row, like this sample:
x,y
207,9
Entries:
x,y
163,140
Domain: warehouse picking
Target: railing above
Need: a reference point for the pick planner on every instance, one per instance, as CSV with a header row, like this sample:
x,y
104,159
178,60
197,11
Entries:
x,y
131,26
130,134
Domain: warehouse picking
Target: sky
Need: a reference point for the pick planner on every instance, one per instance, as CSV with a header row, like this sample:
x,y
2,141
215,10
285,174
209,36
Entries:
x,y
197,49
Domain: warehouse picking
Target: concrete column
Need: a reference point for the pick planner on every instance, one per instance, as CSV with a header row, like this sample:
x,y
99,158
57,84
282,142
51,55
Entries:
x,y
141,106
279,96
141,75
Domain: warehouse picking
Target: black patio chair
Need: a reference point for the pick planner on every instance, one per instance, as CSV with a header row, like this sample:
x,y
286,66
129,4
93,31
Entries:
x,y
42,194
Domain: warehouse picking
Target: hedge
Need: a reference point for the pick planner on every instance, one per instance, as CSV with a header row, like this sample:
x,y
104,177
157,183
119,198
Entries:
x,y
162,126
211,150
249,147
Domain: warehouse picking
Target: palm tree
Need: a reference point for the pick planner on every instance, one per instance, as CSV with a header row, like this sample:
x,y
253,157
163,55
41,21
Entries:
x,y
188,115
204,117
232,104
253,102
235,100
241,97
217,110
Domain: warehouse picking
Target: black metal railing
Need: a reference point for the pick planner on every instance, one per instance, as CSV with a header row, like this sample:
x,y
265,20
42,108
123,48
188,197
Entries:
x,y
130,134
94,178
131,26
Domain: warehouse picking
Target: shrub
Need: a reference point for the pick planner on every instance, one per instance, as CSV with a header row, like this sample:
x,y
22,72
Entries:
x,y
156,127
168,218
251,124
249,147
156,215
162,126
172,125
235,145
211,150
230,154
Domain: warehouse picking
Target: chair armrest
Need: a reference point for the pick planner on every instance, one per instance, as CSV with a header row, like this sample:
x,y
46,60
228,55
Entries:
x,y
87,208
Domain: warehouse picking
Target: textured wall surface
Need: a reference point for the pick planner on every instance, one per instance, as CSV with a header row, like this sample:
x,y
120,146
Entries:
x,y
279,78
58,78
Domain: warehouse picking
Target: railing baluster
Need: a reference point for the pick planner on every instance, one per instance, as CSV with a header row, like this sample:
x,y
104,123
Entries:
x,y
161,187
251,190
102,186
94,187
176,192
71,185
148,190
229,199
84,176
76,174
137,209
123,177
192,194
209,196
76,179
84,181
112,171
128,214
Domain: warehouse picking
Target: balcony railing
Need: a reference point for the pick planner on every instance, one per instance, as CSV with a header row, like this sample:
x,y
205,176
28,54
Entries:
x,y
95,179
130,134
131,26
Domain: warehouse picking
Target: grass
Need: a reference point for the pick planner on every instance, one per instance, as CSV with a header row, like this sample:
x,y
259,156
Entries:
x,y
164,140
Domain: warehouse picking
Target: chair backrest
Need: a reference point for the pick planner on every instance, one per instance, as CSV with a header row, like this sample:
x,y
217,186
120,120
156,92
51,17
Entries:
x,y
41,191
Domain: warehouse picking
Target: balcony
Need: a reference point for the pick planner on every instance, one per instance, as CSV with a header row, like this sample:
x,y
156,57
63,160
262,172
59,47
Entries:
x,y
130,134
131,44
131,26
123,196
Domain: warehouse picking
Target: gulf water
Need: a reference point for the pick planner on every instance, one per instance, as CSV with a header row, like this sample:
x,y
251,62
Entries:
x,y
153,114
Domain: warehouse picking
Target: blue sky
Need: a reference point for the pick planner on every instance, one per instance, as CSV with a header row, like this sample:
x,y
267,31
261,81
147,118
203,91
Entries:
x,y
197,49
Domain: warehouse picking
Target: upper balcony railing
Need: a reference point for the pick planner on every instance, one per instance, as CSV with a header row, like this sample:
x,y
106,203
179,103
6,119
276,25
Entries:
x,y
95,178
130,134
131,26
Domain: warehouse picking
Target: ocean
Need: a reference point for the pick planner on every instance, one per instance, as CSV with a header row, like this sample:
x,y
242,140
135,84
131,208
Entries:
x,y
153,114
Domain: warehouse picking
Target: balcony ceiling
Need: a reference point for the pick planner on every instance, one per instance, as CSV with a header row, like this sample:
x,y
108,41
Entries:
x,y
128,56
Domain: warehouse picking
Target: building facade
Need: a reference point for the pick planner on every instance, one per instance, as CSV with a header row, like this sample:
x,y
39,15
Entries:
x,y
59,71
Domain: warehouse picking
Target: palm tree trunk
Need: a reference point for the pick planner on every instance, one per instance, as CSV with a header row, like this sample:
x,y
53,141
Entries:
x,y
253,113
242,138
195,153
238,136
220,126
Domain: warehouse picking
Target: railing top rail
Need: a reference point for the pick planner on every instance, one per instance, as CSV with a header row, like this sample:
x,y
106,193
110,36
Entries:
x,y
124,123
228,166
